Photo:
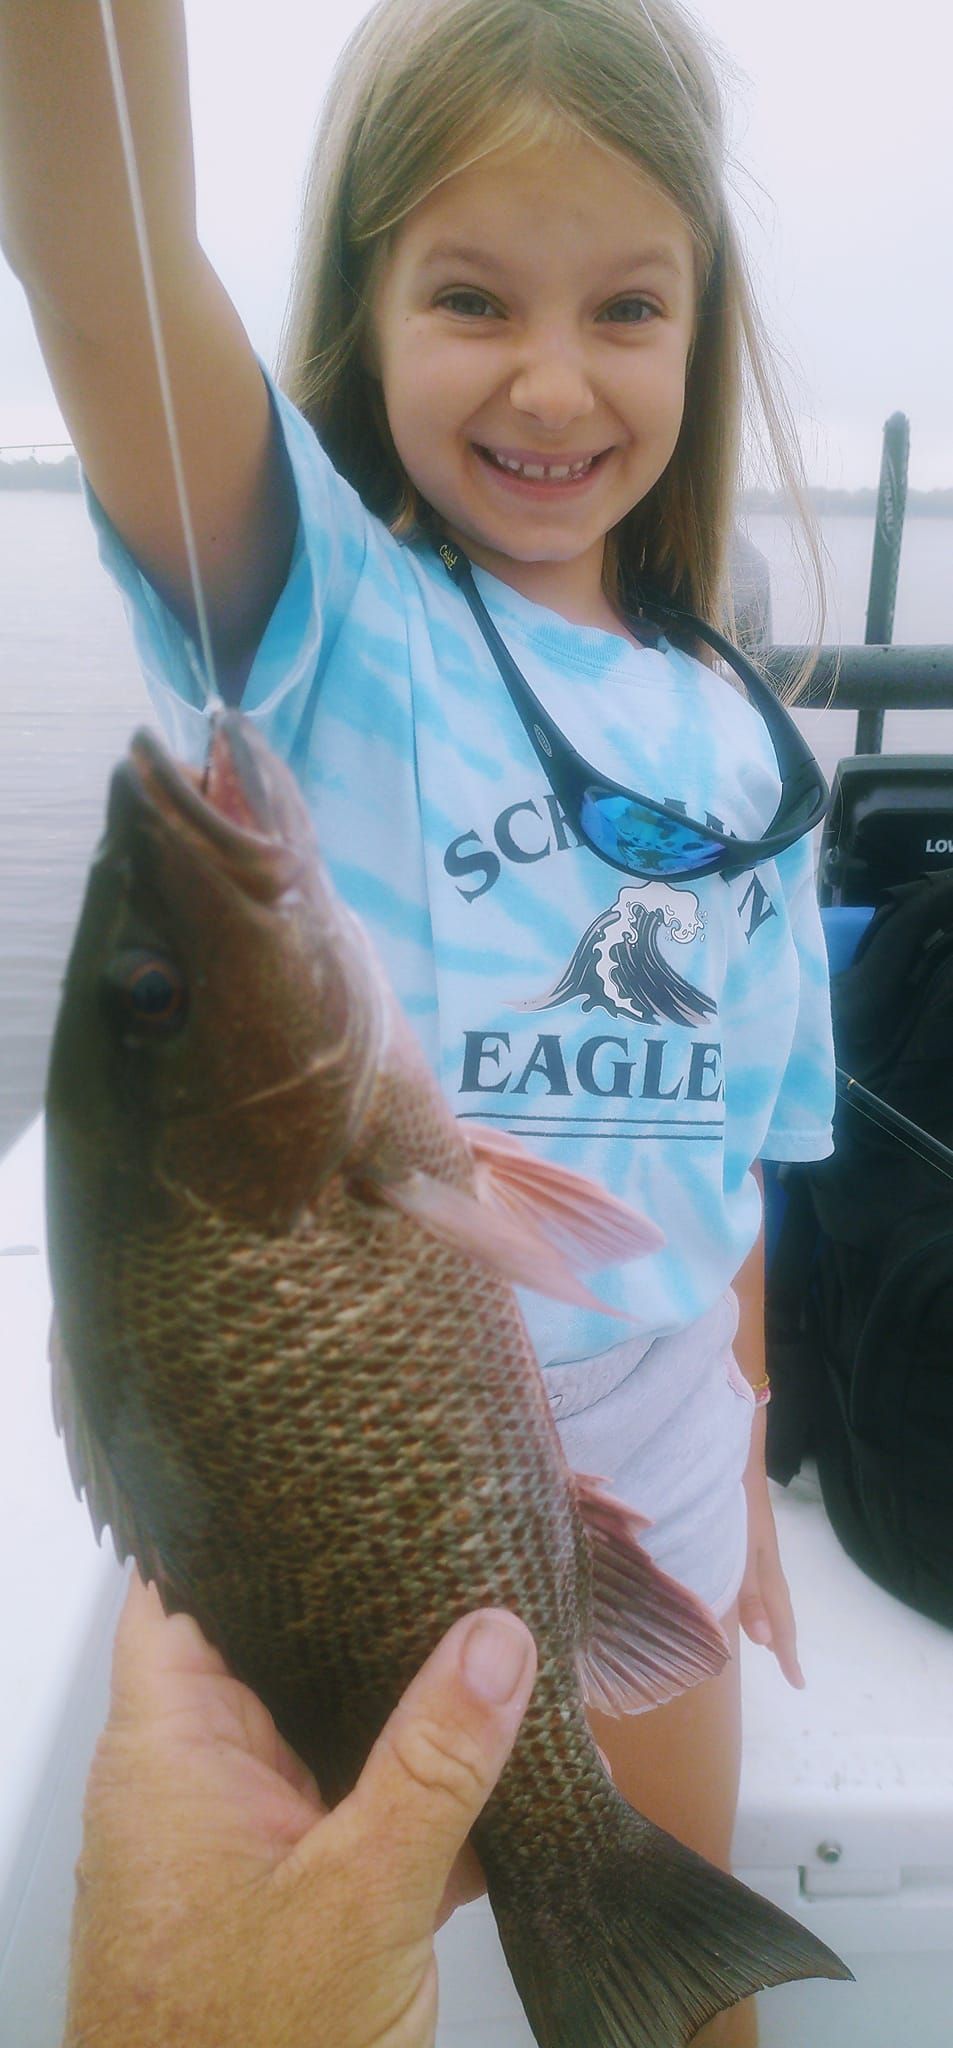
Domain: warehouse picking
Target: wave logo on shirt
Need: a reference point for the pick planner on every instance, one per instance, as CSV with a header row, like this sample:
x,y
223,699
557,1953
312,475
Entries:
x,y
619,964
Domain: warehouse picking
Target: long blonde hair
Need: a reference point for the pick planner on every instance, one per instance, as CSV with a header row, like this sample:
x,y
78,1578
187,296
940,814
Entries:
x,y
427,87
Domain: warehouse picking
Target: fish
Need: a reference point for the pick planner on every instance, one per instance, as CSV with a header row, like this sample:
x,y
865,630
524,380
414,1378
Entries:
x,y
294,1380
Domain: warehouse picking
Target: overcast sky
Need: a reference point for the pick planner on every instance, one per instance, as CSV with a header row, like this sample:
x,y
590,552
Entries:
x,y
844,190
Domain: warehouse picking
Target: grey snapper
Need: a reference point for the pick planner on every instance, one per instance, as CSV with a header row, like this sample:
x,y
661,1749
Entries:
x,y
295,1382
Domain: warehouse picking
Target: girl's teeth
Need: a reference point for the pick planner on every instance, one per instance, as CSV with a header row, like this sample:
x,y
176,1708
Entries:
x,y
539,472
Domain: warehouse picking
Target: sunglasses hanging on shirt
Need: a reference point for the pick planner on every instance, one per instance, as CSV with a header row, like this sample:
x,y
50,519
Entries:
x,y
633,832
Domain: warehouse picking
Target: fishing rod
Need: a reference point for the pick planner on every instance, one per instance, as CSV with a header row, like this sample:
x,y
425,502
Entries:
x,y
916,1140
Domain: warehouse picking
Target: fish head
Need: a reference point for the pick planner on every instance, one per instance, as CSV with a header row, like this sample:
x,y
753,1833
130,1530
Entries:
x,y
221,1010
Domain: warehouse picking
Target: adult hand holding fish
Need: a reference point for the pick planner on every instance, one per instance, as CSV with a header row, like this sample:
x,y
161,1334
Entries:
x,y
220,1903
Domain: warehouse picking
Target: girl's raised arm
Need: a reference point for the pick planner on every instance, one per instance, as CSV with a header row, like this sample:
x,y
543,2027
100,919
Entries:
x,y
67,230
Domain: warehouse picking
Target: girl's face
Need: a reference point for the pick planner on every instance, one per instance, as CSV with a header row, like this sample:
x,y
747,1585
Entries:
x,y
531,331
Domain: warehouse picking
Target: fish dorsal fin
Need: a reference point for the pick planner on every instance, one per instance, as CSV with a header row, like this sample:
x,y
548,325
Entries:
x,y
532,1222
90,1471
651,1637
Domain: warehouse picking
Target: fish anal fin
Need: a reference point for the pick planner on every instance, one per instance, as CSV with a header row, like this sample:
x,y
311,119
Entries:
x,y
651,1637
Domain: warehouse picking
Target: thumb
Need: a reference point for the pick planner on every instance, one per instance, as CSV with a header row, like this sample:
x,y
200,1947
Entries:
x,y
433,1768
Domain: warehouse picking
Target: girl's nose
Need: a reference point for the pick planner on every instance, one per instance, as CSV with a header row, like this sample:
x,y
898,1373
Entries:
x,y
552,386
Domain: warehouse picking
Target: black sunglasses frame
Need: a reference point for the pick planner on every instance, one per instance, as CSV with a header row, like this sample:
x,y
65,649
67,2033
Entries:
x,y
805,797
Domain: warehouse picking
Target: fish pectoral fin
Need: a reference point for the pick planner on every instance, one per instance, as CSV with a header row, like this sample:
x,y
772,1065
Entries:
x,y
571,1211
651,1637
494,1235
90,1472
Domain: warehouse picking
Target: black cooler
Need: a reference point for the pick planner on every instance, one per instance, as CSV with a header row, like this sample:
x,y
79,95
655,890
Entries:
x,y
891,819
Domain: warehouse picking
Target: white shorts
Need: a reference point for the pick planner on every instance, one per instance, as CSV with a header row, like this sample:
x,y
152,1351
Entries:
x,y
668,1425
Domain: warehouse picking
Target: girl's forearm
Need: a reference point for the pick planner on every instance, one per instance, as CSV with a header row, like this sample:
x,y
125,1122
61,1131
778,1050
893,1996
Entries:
x,y
749,1288
68,228
65,221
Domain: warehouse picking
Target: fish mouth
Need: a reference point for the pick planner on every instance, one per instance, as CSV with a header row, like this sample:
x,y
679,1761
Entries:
x,y
227,809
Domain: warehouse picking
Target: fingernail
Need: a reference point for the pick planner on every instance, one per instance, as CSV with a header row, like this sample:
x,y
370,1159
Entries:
x,y
760,1632
494,1657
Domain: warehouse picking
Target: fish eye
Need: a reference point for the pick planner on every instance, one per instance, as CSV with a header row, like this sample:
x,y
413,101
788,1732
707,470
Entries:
x,y
150,988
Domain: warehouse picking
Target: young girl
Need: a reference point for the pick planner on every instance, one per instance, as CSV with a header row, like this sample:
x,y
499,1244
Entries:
x,y
520,324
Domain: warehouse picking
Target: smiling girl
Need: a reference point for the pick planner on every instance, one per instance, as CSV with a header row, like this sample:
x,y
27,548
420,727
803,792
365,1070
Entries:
x,y
520,327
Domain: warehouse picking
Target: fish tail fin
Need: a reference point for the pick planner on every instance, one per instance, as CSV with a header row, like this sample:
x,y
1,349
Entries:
x,y
648,1947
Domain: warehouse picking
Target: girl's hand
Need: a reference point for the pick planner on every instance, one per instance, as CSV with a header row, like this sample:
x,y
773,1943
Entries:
x,y
764,1603
219,1905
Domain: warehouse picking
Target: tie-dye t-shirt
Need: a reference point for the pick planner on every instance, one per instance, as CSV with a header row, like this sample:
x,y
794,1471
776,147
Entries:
x,y
658,1037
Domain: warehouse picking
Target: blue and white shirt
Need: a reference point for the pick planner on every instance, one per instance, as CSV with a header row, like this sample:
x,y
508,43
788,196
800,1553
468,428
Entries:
x,y
659,1038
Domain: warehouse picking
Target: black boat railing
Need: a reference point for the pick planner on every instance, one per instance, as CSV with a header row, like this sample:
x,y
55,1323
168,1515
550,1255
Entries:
x,y
878,676
885,562
918,678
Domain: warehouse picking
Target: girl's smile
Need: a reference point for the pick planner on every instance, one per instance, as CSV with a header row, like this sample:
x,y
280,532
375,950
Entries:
x,y
531,473
531,331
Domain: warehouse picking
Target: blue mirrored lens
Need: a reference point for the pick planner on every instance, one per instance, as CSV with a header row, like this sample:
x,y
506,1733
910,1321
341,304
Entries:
x,y
642,840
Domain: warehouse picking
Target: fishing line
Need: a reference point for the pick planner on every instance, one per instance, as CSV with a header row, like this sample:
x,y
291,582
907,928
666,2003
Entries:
x,y
923,1146
212,693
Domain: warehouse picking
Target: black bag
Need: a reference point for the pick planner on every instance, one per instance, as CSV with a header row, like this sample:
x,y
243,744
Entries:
x,y
860,1289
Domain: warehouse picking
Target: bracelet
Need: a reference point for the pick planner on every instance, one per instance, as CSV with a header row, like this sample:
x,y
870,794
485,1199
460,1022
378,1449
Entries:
x,y
761,1390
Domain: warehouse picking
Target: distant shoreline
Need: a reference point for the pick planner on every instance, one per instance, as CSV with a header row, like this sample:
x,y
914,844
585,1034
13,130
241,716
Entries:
x,y
40,476
64,476
851,504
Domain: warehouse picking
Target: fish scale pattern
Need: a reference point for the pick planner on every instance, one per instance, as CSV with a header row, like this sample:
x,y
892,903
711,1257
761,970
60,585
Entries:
x,y
337,1441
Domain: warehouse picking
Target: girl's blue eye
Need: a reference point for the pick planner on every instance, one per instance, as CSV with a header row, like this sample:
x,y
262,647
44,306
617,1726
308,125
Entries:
x,y
631,312
467,302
